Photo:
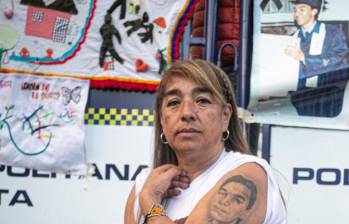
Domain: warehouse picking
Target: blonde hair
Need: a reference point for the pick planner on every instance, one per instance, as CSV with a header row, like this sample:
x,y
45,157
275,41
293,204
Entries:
x,y
209,76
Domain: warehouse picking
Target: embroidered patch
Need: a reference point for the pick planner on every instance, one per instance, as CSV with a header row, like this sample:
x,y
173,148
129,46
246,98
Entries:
x,y
60,30
37,16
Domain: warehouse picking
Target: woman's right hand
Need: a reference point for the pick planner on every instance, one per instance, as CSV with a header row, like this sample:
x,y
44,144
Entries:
x,y
162,182
180,181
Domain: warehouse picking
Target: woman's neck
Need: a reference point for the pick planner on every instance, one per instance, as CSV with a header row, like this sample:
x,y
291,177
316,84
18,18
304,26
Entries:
x,y
195,164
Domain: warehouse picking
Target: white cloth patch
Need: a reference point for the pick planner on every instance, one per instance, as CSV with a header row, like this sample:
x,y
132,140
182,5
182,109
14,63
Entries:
x,y
42,122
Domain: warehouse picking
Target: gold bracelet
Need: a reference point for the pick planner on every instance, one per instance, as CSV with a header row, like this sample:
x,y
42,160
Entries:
x,y
155,210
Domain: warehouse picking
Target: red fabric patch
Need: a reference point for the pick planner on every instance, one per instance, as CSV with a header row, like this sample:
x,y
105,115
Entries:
x,y
41,21
141,66
122,85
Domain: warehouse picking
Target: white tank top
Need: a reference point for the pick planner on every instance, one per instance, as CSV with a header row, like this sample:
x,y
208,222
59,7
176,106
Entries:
x,y
181,206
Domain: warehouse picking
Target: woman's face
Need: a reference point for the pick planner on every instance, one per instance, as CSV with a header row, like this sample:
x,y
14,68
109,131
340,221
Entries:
x,y
192,118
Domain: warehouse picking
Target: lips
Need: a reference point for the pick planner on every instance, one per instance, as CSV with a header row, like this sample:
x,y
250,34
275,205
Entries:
x,y
219,210
188,131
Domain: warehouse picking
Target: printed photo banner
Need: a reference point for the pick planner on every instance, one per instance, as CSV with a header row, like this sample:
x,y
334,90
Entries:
x,y
125,44
42,122
300,64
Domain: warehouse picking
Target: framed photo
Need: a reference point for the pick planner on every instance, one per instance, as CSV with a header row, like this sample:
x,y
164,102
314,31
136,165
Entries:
x,y
300,63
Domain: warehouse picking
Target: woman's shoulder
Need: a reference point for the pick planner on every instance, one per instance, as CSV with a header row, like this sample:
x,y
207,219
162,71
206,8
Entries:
x,y
232,160
246,189
237,158
256,167
241,193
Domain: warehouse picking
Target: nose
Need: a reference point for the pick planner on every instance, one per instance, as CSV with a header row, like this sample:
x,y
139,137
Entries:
x,y
188,111
297,13
225,201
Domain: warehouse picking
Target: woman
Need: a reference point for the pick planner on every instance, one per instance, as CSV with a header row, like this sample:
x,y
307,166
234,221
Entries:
x,y
202,171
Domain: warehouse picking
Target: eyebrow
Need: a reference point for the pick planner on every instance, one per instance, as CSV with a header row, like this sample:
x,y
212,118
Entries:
x,y
199,90
300,7
173,92
196,91
240,195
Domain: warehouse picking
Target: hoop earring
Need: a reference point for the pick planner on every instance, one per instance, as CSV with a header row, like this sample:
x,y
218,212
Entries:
x,y
163,139
225,135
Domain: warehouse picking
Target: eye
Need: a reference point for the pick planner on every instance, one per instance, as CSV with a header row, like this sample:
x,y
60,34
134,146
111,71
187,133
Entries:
x,y
222,192
172,103
238,200
203,101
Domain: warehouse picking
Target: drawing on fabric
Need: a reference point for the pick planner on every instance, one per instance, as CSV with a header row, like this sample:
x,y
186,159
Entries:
x,y
69,95
69,115
36,128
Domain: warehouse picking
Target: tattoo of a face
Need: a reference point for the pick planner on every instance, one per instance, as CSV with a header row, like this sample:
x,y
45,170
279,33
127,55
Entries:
x,y
235,197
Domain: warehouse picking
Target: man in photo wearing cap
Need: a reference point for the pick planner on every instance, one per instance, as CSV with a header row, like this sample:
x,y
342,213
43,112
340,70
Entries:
x,y
323,53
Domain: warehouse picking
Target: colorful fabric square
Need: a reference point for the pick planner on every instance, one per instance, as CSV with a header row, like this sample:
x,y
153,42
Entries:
x,y
32,27
176,35
50,26
109,63
120,117
38,16
64,28
35,126
60,30
37,28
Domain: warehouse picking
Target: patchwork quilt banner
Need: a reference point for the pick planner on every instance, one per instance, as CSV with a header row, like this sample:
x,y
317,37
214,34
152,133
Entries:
x,y
42,122
124,44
